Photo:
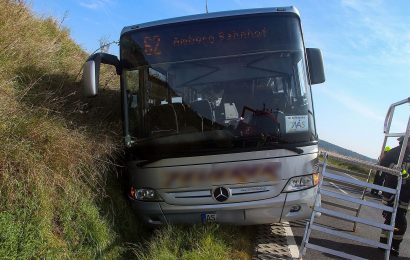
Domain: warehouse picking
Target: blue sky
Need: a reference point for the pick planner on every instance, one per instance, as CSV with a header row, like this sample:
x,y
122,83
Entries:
x,y
365,44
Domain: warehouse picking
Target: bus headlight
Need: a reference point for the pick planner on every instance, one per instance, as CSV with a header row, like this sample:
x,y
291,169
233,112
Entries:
x,y
302,182
145,194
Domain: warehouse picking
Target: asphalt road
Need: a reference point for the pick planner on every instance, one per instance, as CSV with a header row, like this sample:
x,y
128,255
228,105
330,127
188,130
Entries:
x,y
340,244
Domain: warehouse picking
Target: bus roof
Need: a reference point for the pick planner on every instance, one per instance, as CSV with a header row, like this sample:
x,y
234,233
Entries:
x,y
289,9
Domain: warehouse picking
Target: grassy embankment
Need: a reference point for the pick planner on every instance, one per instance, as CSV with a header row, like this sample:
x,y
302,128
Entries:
x,y
59,191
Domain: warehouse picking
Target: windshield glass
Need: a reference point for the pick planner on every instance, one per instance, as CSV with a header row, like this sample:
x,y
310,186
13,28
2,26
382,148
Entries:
x,y
243,101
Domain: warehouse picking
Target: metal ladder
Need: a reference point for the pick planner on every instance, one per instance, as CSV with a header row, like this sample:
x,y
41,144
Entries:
x,y
387,134
318,208
354,174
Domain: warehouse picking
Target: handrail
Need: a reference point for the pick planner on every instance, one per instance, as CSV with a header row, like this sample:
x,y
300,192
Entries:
x,y
388,120
358,162
389,115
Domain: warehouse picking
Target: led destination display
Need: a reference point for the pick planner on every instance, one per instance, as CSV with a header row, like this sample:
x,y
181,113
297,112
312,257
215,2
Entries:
x,y
211,38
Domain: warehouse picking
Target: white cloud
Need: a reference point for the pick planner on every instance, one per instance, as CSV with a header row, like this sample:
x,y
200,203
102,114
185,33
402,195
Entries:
x,y
368,112
95,4
353,104
361,5
373,27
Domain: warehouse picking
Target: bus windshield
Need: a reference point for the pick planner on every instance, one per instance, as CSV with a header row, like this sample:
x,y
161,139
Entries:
x,y
244,100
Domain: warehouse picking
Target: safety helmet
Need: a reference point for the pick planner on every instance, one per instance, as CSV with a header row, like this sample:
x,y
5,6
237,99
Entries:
x,y
404,174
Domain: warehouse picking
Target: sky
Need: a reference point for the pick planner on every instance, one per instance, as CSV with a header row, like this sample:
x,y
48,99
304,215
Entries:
x,y
365,46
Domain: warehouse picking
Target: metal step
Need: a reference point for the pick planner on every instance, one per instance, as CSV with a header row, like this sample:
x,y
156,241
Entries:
x,y
358,183
346,217
362,163
345,186
395,134
355,200
333,252
358,174
338,205
349,236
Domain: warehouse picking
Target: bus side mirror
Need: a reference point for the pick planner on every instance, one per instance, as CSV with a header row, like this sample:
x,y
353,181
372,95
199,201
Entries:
x,y
315,62
91,71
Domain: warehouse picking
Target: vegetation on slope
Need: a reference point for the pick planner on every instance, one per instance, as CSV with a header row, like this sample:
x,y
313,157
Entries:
x,y
59,192
52,172
326,146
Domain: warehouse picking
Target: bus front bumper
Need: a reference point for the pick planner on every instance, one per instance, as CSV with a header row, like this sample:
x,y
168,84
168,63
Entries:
x,y
284,207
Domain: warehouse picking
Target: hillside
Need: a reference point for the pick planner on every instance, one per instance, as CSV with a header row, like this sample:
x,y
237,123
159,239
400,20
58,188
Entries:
x,y
54,164
326,146
60,192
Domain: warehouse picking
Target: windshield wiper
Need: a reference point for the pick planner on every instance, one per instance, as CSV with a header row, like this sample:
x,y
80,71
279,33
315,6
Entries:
x,y
288,147
277,144
294,149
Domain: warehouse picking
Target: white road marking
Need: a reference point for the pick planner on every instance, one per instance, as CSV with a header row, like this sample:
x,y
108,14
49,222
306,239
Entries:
x,y
348,175
337,187
293,248
351,176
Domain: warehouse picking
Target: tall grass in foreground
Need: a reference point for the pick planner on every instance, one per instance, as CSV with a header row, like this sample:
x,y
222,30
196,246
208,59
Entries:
x,y
59,192
198,242
53,169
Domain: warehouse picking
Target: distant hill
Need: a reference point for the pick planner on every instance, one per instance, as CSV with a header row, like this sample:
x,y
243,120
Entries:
x,y
323,145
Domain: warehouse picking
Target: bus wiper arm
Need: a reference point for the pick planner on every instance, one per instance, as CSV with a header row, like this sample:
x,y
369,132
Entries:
x,y
283,145
276,144
295,149
289,148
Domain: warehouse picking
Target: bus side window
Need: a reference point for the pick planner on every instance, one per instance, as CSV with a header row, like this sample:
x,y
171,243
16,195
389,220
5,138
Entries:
x,y
132,87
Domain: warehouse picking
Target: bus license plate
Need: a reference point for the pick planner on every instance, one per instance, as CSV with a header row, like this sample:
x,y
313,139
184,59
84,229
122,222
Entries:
x,y
208,217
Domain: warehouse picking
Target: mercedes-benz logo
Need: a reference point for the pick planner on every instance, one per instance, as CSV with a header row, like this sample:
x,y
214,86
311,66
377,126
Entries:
x,y
221,194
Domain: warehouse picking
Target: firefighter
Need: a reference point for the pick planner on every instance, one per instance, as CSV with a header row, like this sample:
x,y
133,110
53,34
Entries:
x,y
379,176
389,160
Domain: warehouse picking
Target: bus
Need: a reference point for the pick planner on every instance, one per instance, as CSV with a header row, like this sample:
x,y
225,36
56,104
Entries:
x,y
218,116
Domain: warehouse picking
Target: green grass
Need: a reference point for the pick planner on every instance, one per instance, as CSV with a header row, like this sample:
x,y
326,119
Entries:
x,y
362,170
199,242
346,166
60,194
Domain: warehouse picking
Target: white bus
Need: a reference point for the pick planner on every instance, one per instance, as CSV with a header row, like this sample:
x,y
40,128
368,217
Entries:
x,y
218,116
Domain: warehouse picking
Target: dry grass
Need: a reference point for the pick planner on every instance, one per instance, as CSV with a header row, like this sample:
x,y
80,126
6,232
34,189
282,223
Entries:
x,y
59,194
53,163
198,242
